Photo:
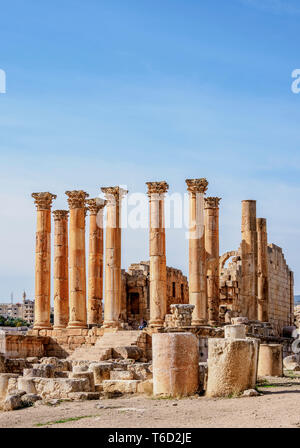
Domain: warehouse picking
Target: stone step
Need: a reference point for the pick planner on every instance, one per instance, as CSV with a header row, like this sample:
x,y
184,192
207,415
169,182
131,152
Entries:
x,y
120,386
103,349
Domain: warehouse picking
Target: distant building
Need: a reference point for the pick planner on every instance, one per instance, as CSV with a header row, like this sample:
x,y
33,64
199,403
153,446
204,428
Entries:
x,y
24,310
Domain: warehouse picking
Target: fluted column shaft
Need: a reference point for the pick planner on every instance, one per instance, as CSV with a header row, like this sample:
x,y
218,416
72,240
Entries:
x,y
61,269
157,251
112,302
95,268
249,259
43,202
212,254
197,255
262,270
77,261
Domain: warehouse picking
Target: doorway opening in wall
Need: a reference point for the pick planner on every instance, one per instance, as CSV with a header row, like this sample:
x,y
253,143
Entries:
x,y
134,303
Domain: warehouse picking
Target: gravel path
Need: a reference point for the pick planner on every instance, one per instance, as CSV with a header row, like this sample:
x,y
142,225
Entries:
x,y
278,407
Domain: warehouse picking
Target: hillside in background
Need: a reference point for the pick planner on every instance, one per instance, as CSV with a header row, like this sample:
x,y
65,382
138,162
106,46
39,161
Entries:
x,y
297,299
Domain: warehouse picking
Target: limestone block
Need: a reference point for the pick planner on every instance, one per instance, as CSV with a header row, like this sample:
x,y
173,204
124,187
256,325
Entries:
x,y
84,395
101,371
4,379
145,387
232,366
12,385
29,399
12,402
120,386
88,375
45,371
78,369
60,387
292,363
239,320
131,351
175,364
237,331
141,371
121,375
27,384
32,359
270,360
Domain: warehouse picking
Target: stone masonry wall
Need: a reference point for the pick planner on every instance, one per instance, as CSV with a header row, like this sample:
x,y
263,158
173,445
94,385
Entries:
x,y
281,295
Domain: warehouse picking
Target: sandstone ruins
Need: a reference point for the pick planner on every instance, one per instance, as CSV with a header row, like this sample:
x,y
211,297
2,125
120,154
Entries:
x,y
212,333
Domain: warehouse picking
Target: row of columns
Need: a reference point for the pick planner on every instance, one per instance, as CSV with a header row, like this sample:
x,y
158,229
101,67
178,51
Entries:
x,y
203,253
70,309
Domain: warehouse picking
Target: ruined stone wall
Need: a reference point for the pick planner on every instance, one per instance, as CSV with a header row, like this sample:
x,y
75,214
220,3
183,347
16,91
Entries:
x,y
177,288
281,291
230,283
281,294
135,299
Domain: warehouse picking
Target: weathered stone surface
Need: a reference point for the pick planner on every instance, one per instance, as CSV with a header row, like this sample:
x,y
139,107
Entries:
x,y
251,393
60,387
120,386
132,351
232,366
4,379
145,387
30,399
27,384
44,371
141,371
121,375
237,331
270,360
12,402
101,371
181,315
292,363
88,375
175,364
84,395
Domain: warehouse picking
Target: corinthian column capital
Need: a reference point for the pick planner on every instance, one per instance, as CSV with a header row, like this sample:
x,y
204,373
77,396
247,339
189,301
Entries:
x,y
114,194
60,215
212,202
157,187
197,185
95,205
76,198
43,201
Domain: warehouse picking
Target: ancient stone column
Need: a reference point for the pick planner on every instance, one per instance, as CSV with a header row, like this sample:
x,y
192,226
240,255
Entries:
x,y
232,366
212,254
270,362
43,202
77,263
95,269
112,301
197,255
157,251
249,260
61,269
262,270
175,364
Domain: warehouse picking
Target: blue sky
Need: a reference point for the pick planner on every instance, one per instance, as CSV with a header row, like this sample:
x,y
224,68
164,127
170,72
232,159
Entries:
x,y
107,92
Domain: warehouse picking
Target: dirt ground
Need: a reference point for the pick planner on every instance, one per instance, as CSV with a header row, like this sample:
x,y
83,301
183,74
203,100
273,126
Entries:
x,y
278,407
